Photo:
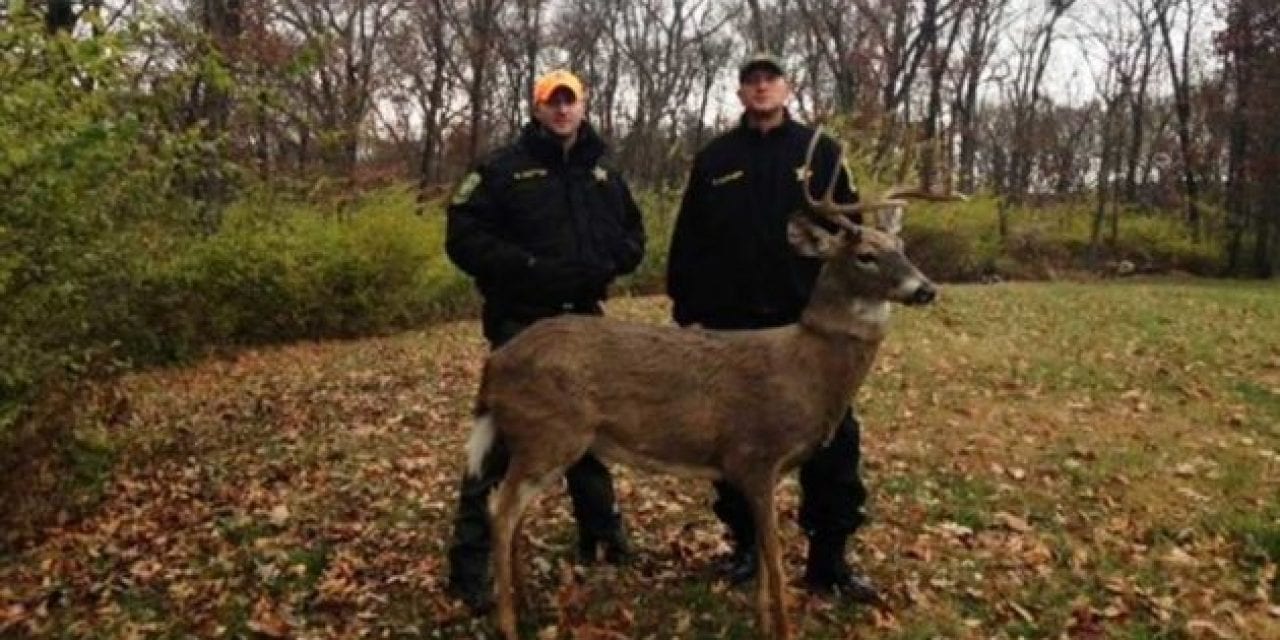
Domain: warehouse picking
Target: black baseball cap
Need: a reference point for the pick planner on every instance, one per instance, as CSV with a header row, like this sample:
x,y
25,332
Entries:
x,y
766,61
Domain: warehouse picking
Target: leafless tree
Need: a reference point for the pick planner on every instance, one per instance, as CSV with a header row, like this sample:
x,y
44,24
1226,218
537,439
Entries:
x,y
1137,79
476,22
1180,75
835,35
767,26
518,49
346,38
583,30
423,49
659,41
981,19
939,56
1025,92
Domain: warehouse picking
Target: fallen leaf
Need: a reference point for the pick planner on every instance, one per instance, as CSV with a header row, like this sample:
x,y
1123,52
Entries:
x,y
1012,522
1206,626
279,515
267,621
1177,556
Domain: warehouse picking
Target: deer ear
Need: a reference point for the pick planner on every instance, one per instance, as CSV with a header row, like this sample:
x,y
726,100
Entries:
x,y
810,239
889,220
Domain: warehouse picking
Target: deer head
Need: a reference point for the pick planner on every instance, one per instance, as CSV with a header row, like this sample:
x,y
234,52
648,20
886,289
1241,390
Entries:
x,y
866,261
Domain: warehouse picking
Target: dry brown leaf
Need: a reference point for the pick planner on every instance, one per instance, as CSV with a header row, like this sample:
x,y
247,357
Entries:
x,y
267,621
279,515
684,621
11,615
1178,557
1022,612
1012,522
1206,628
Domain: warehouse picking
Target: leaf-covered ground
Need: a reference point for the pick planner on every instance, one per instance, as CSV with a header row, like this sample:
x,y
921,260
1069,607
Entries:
x,y
1047,460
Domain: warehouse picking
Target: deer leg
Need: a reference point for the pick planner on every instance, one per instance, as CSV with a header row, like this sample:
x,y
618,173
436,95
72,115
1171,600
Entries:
x,y
519,575
513,497
770,584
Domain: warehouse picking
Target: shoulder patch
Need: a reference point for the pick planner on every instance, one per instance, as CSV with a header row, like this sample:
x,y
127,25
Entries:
x,y
468,185
601,174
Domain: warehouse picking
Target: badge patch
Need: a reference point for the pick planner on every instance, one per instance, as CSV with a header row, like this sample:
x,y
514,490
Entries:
x,y
530,173
803,173
600,173
728,177
468,184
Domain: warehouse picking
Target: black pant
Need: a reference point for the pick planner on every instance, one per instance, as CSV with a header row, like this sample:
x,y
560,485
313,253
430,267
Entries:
x,y
590,490
834,499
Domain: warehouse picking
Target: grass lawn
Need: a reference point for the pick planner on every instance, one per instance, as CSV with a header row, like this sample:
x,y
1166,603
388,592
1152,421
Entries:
x,y
1045,460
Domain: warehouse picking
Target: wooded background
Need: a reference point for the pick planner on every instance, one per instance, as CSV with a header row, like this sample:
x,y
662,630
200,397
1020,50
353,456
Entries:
x,y
1162,104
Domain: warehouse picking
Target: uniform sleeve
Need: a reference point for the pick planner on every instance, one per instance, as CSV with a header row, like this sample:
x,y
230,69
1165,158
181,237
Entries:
x,y
686,245
633,240
472,239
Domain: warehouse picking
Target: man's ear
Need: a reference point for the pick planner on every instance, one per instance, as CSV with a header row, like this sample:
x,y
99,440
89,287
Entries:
x,y
889,220
810,239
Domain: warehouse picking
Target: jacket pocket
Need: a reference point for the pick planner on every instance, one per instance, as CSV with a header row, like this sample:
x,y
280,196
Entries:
x,y
532,208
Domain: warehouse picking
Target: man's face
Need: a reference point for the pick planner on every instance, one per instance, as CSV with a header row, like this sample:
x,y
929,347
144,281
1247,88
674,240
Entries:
x,y
763,91
561,114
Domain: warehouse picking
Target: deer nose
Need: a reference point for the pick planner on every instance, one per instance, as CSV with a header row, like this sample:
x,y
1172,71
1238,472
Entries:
x,y
924,294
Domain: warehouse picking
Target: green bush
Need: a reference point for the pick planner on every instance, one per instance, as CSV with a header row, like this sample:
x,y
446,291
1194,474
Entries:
x,y
81,165
953,242
278,271
659,209
960,242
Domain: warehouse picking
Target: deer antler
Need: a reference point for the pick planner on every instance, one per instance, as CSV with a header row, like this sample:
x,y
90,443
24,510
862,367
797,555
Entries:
x,y
895,198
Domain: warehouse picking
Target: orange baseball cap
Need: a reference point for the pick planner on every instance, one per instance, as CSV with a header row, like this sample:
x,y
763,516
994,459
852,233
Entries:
x,y
548,83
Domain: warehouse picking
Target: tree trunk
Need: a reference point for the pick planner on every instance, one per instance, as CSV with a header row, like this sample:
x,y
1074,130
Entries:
x,y
1182,97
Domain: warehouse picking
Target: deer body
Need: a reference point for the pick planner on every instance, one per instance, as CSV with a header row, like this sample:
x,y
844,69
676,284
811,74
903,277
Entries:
x,y
692,402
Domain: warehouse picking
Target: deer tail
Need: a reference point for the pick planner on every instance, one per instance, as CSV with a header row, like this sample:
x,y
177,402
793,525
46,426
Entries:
x,y
483,432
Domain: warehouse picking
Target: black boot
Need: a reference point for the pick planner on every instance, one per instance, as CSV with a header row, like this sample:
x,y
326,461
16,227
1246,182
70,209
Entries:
x,y
474,590
828,573
617,551
741,566
469,549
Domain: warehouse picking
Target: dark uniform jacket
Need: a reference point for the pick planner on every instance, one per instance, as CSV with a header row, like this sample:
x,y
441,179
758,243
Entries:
x,y
529,205
731,266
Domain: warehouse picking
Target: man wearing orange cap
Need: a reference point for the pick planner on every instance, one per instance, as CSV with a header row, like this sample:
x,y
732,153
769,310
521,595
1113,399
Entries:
x,y
543,225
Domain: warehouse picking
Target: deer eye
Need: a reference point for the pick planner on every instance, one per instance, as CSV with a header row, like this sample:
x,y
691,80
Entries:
x,y
866,257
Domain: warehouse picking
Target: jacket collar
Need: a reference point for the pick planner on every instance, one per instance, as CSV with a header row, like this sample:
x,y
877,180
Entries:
x,y
586,150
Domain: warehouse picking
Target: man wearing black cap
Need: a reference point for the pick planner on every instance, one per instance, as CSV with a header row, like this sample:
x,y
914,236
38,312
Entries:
x,y
731,267
543,225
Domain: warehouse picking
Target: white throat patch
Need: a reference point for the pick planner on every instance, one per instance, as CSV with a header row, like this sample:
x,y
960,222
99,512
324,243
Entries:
x,y
870,312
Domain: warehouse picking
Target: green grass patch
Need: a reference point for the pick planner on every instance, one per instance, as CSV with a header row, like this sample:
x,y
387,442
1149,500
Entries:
x,y
1266,401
